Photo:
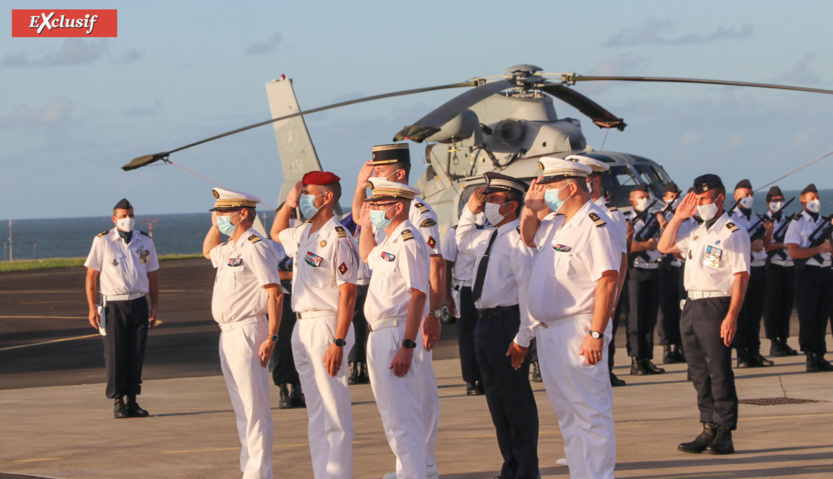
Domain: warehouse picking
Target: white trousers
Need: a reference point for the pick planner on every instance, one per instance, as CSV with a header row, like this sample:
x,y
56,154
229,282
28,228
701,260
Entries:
x,y
328,398
430,399
248,387
399,401
580,395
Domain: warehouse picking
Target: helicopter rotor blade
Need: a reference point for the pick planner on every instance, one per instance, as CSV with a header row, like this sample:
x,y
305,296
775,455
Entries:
x,y
147,159
599,115
572,78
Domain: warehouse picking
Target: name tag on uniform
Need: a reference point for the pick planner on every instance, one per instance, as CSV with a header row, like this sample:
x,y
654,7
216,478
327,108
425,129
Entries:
x,y
235,262
562,248
387,256
713,255
313,259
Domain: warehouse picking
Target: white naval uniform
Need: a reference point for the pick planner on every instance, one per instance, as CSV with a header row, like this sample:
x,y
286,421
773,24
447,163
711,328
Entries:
x,y
323,261
399,264
124,267
240,306
463,270
570,260
738,218
617,221
780,257
798,233
707,269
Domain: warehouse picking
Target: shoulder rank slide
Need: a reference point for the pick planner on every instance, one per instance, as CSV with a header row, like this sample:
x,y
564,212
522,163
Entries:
x,y
597,220
421,207
407,235
732,227
102,234
427,223
611,207
144,233
341,232
254,239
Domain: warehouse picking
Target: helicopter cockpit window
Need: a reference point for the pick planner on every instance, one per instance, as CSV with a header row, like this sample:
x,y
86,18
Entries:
x,y
464,198
649,175
618,182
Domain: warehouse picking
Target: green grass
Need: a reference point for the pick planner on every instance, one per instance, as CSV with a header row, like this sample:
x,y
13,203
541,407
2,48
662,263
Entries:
x,y
69,262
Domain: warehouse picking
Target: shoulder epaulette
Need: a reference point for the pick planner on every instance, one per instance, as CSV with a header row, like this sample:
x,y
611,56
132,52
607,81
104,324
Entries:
x,y
732,227
102,233
421,207
611,207
144,234
597,220
254,239
341,232
427,223
407,235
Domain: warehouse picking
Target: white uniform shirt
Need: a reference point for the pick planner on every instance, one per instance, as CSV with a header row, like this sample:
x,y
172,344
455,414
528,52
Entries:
x,y
124,267
323,261
509,259
780,254
243,269
424,218
463,261
617,222
714,256
568,264
740,219
799,234
653,255
399,263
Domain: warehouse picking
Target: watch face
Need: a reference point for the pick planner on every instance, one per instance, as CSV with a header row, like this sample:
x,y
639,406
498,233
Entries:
x,y
409,344
274,338
595,334
340,342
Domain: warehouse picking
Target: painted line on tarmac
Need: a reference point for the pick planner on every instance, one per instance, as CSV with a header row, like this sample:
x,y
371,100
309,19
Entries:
x,y
42,317
763,418
20,346
186,451
20,461
689,475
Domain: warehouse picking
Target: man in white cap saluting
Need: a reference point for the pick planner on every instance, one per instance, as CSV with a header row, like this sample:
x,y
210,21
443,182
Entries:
x,y
125,264
395,307
247,304
572,289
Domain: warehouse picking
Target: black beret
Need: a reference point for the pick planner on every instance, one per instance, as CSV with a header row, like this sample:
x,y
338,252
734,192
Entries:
x,y
705,183
743,184
501,182
670,187
811,188
123,204
641,187
774,191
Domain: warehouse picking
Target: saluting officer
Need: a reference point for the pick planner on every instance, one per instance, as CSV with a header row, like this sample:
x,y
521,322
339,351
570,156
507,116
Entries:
x,y
323,297
813,280
572,288
780,277
395,307
500,294
671,289
747,340
716,273
246,303
126,264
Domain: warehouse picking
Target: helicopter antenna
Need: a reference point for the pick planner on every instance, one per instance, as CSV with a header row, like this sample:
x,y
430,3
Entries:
x,y
607,130
209,180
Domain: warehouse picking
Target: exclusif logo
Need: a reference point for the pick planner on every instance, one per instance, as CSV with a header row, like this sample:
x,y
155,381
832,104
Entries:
x,y
64,23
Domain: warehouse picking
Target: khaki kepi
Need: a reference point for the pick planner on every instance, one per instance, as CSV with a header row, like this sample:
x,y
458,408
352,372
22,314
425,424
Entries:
x,y
229,199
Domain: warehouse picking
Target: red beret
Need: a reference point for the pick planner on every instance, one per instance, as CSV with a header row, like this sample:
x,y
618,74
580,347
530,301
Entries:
x,y
320,178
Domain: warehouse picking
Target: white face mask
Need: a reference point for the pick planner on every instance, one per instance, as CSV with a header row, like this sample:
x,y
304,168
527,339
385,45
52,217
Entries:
x,y
775,206
590,186
493,214
642,203
126,224
707,212
747,202
813,206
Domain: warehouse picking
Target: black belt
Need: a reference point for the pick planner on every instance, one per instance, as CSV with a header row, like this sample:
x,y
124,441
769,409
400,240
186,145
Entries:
x,y
497,312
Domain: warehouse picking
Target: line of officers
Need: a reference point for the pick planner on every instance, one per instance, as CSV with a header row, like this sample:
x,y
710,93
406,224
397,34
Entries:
x,y
550,262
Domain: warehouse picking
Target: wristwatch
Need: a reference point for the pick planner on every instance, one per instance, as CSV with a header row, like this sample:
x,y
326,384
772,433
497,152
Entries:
x,y
595,334
408,343
437,313
339,342
274,338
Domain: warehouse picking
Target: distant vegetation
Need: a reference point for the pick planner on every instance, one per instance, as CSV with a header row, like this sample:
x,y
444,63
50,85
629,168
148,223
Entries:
x,y
69,262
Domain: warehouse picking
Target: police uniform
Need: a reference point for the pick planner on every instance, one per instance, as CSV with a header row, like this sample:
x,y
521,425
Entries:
x,y
780,282
239,306
715,252
671,292
123,260
499,282
814,282
399,263
747,339
571,257
323,261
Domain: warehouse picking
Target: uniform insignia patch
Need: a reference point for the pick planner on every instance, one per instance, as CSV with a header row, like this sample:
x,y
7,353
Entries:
x,y
562,248
143,255
313,259
713,255
431,242
387,256
323,243
407,235
254,239
234,262
427,223
422,208
343,269
732,227
341,232
102,233
115,263
597,220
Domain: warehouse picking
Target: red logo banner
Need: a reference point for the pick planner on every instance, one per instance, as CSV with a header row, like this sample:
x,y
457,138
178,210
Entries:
x,y
64,23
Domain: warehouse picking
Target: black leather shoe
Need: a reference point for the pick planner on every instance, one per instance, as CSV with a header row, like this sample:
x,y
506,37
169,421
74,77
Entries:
x,y
786,347
638,368
133,408
472,389
812,362
616,382
651,367
701,442
722,443
363,377
668,355
761,361
743,359
678,353
775,350
119,411
824,365
297,396
353,373
536,372
284,402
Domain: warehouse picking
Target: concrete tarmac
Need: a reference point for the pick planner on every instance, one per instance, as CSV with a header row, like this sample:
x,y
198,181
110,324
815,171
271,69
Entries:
x,y
55,421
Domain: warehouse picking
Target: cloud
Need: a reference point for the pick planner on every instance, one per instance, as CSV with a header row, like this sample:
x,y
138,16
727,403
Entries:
x,y
689,138
800,73
57,110
73,51
130,56
619,65
735,141
663,32
145,111
267,46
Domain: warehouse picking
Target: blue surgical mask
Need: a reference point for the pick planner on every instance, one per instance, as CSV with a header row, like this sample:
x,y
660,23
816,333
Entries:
x,y
377,217
225,225
307,204
552,200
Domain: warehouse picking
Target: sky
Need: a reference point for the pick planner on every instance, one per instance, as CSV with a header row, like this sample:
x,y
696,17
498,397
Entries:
x,y
74,110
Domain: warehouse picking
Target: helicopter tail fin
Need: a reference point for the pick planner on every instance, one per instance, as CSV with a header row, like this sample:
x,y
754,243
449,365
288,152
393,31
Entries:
x,y
295,147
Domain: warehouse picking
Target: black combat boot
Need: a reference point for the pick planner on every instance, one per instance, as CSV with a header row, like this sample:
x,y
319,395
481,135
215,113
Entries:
x,y
824,365
363,377
786,347
284,402
638,367
297,396
353,376
743,359
722,443
616,382
133,408
701,442
812,362
651,367
755,355
667,355
536,372
119,411
776,350
472,389
678,353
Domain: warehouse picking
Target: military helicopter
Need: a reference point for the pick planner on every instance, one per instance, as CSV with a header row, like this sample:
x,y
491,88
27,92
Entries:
x,y
502,123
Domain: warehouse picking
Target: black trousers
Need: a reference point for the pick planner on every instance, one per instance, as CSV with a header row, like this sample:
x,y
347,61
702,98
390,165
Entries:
x,y
466,324
813,299
284,371
622,308
359,352
508,394
643,289
126,323
748,335
780,295
670,294
709,360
